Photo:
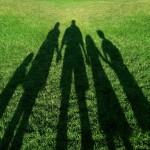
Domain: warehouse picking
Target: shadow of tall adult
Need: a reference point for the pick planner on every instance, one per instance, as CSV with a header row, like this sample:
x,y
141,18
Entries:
x,y
110,115
135,96
34,82
15,81
73,63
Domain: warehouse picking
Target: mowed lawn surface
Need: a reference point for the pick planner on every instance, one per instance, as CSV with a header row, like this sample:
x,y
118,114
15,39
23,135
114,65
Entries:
x,y
100,100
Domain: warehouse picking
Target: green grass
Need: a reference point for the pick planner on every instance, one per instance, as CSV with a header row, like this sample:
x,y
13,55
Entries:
x,y
109,102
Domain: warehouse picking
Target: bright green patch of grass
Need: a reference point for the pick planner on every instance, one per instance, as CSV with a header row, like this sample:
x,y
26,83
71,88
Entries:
x,y
109,100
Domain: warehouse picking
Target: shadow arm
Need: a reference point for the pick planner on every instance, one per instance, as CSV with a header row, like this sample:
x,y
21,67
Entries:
x,y
104,58
84,51
59,51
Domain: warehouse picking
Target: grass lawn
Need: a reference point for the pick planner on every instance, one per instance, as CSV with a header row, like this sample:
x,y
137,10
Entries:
x,y
82,84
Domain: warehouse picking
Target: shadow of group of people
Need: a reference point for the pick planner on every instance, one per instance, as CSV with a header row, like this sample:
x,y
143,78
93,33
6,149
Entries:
x,y
111,117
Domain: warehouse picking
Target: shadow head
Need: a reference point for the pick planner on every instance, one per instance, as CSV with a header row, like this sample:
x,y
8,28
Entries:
x,y
28,59
57,25
88,38
73,22
100,34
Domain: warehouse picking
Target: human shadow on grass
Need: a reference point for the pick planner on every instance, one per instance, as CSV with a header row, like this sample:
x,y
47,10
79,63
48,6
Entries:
x,y
135,96
111,117
34,82
73,63
15,81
